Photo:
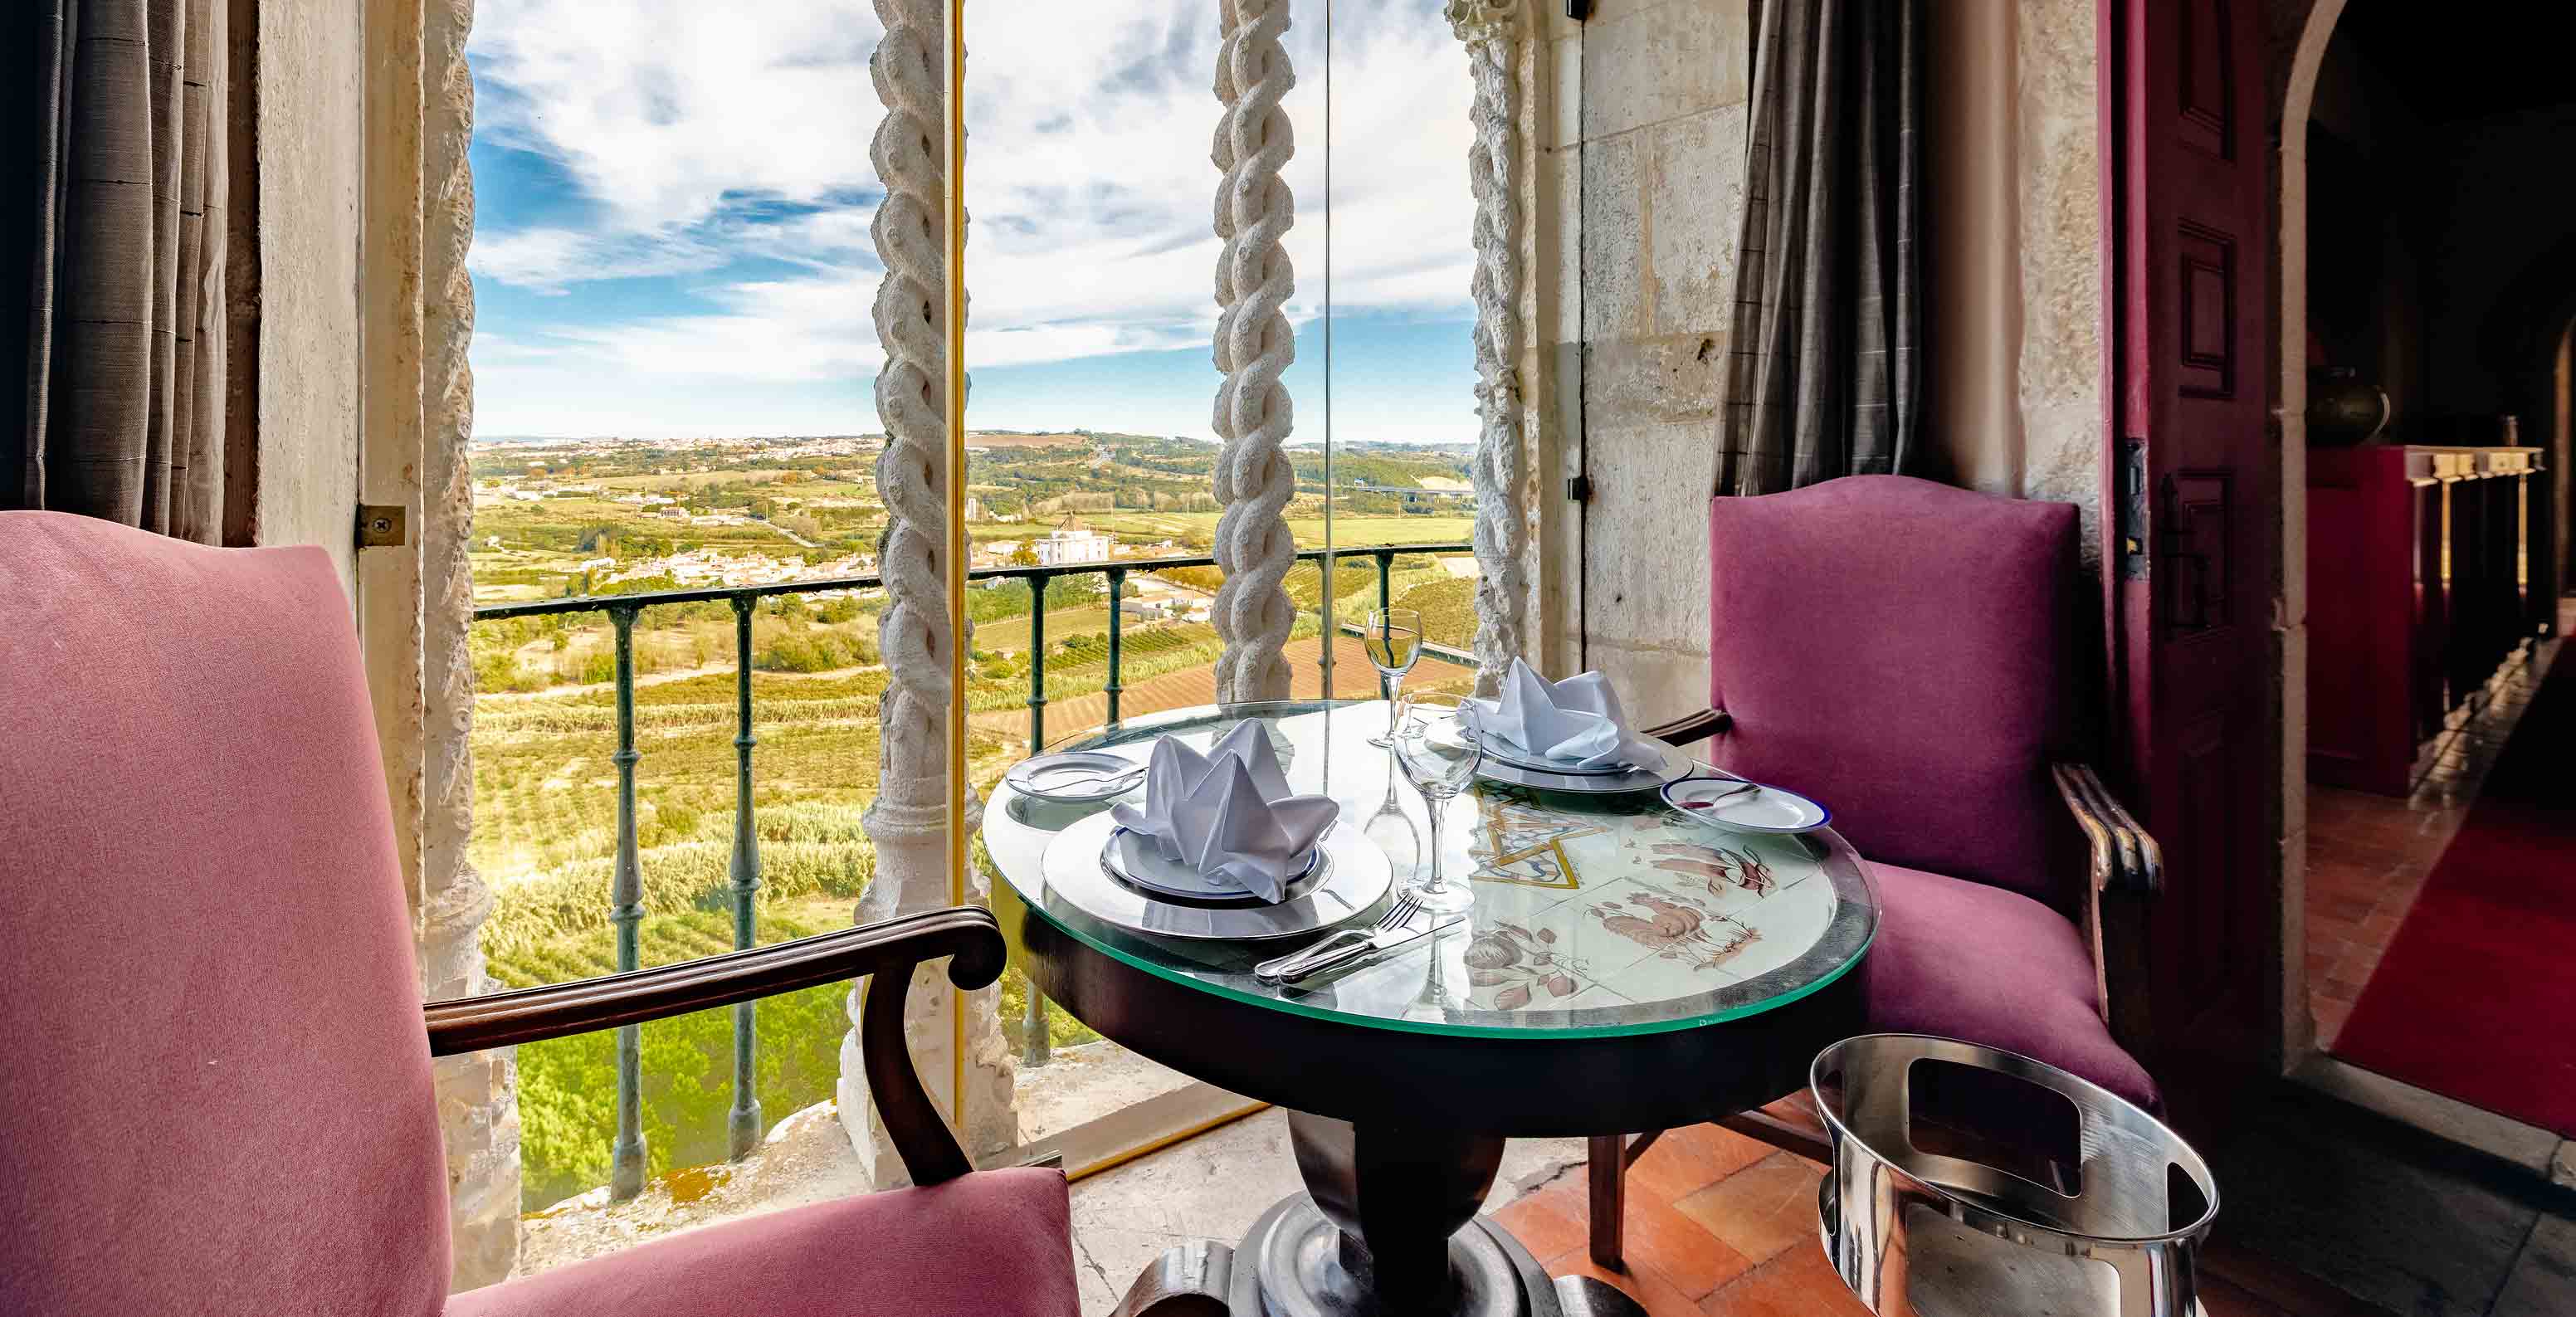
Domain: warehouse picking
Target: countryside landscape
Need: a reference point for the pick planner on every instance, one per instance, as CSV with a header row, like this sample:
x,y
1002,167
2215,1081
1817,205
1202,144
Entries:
x,y
602,517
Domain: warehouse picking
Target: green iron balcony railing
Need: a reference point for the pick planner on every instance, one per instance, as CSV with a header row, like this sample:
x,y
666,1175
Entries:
x,y
626,884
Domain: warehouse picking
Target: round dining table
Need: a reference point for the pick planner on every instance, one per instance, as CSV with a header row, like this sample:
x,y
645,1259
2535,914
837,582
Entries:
x,y
1624,968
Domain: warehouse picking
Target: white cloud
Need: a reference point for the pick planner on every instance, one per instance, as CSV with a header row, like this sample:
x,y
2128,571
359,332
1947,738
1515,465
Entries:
x,y
689,128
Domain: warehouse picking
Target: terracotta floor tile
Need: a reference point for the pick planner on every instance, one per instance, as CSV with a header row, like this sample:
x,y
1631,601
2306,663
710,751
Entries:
x,y
1654,1292
1550,1221
1761,1210
1798,1283
1687,1160
1662,1240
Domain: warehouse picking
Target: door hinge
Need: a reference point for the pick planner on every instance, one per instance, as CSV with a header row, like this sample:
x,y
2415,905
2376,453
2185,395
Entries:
x,y
1578,489
2131,522
381,525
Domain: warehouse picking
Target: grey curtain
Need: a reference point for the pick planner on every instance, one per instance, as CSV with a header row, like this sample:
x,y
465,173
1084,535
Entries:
x,y
111,276
1824,375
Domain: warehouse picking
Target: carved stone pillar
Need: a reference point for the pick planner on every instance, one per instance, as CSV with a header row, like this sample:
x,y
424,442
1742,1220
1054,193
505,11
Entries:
x,y
909,820
1492,30
478,1100
1254,343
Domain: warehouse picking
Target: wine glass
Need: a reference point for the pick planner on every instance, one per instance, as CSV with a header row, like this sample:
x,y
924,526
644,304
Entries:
x,y
1393,639
1440,760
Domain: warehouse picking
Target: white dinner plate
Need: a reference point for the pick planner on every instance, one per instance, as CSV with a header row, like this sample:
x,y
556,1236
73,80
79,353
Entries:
x,y
1132,858
1503,749
1764,809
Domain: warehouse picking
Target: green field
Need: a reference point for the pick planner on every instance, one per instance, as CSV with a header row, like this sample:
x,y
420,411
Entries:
x,y
545,785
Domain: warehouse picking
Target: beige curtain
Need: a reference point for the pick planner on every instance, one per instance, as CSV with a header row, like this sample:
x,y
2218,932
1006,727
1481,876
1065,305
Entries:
x,y
112,295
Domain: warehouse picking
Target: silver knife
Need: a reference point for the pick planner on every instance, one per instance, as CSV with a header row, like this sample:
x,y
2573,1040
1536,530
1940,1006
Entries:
x,y
1335,952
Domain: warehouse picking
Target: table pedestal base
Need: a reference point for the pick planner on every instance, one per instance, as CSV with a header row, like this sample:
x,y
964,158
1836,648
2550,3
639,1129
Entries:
x,y
1387,1227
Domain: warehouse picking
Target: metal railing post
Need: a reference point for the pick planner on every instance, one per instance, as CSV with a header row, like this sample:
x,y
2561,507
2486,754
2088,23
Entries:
x,y
1117,609
1385,599
745,1124
1037,664
1036,1044
625,911
1327,609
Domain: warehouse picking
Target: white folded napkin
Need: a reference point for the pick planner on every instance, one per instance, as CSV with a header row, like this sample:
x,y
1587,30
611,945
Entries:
x,y
1228,813
1575,721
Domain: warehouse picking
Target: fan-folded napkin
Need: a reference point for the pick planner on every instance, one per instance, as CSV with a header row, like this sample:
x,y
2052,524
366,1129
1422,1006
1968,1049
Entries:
x,y
1229,813
1575,722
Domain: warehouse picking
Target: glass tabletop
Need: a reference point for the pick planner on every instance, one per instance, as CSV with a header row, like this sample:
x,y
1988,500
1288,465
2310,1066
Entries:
x,y
1594,915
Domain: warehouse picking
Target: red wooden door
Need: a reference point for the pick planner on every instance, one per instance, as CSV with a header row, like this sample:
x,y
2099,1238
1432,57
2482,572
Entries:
x,y
2189,559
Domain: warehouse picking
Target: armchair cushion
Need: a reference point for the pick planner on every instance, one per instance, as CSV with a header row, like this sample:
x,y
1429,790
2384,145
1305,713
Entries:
x,y
1983,965
990,1244
1898,649
216,1096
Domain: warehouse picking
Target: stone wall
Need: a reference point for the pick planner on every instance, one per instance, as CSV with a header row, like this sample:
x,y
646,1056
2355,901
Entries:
x,y
2012,252
311,155
1648,134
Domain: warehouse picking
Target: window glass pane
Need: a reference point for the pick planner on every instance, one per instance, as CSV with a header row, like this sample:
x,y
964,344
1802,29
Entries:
x,y
673,349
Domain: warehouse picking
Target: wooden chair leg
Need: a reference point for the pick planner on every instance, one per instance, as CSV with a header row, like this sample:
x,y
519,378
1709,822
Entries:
x,y
1608,1168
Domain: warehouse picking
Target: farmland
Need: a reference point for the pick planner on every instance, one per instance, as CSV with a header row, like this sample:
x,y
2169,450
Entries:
x,y
605,519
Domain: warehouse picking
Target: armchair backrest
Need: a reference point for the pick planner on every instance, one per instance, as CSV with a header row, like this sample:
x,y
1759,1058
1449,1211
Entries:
x,y
215,1088
1901,649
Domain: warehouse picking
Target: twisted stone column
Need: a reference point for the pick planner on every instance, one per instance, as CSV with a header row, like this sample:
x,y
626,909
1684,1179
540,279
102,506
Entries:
x,y
1254,280
478,1096
909,820
1491,29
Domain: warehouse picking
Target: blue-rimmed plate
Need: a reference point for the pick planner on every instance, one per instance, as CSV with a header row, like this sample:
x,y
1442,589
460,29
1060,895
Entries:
x,y
1764,809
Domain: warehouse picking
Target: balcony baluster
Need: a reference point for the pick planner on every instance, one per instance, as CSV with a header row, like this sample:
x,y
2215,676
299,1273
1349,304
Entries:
x,y
1117,609
744,1126
625,911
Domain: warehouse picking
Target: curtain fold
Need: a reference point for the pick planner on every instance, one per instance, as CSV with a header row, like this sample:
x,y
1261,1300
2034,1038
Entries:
x,y
111,291
1824,369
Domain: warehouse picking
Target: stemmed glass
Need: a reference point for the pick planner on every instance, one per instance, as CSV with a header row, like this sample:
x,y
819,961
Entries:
x,y
1393,639
1440,760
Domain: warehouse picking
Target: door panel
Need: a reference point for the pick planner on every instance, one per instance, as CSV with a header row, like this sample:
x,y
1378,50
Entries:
x,y
2190,635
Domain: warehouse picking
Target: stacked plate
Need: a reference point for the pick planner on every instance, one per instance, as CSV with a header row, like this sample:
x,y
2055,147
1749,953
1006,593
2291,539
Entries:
x,y
1508,761
1118,878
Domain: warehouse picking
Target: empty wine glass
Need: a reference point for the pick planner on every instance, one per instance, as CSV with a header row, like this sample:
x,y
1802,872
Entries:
x,y
1440,760
1393,639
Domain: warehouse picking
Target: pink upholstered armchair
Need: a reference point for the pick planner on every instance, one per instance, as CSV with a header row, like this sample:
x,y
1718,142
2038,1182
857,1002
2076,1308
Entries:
x,y
1906,653
216,1096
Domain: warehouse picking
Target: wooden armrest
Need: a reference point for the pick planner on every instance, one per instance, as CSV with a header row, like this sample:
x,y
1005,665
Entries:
x,y
2125,856
1698,726
884,952
2126,870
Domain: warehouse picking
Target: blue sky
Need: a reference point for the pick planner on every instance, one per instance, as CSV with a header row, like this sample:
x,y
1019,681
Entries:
x,y
671,237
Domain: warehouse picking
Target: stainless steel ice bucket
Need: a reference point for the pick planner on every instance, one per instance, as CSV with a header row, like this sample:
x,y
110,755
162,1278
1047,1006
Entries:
x,y
2040,1193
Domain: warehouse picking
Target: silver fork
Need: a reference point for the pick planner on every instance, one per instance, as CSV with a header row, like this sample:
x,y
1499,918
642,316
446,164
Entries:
x,y
1348,942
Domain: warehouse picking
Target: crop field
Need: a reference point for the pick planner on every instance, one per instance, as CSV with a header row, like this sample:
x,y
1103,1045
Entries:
x,y
1198,529
546,818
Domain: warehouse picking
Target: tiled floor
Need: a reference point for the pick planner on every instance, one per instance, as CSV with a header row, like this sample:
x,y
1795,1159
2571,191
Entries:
x,y
2368,855
1720,1225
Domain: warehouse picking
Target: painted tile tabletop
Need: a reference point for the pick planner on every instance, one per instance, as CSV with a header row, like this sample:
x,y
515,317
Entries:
x,y
1593,914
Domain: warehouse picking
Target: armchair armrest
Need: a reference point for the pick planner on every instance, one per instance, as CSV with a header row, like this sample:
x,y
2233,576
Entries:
x,y
885,952
2126,869
1693,727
